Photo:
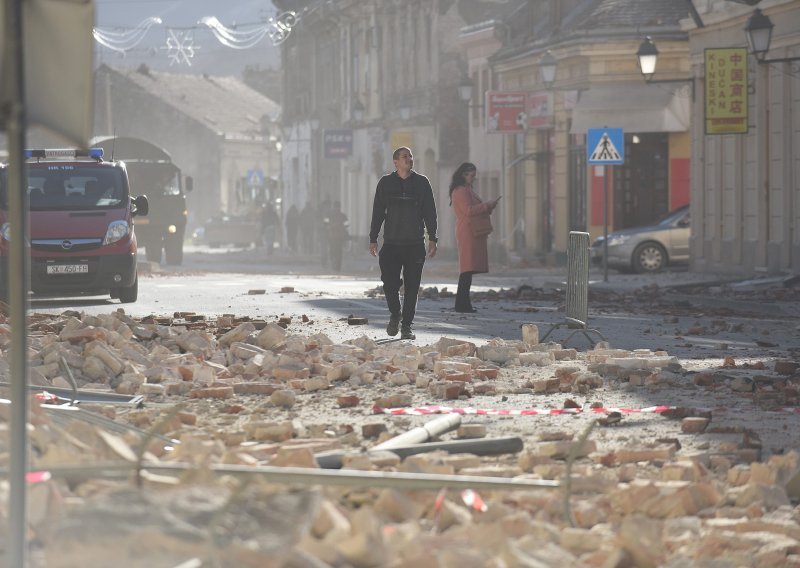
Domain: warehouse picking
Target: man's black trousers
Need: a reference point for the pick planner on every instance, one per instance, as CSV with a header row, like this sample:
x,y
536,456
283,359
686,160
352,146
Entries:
x,y
408,260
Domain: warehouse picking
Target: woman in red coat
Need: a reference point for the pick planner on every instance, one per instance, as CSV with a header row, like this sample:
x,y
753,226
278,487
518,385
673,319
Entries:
x,y
473,253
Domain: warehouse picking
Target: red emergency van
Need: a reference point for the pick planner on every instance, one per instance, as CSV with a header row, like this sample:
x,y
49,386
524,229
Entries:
x,y
81,225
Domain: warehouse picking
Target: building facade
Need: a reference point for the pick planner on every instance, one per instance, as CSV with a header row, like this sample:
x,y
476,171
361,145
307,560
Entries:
x,y
217,130
548,187
363,78
746,208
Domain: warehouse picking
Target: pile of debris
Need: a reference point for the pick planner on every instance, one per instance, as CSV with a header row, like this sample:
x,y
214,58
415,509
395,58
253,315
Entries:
x,y
242,443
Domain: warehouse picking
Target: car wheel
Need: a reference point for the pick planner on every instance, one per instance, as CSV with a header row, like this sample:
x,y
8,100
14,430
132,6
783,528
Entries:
x,y
649,257
129,294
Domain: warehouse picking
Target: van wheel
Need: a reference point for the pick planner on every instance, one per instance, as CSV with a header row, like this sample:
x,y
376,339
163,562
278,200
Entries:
x,y
152,251
173,250
129,294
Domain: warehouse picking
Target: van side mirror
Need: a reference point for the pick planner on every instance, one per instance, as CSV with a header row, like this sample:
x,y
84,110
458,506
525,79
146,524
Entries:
x,y
140,205
188,183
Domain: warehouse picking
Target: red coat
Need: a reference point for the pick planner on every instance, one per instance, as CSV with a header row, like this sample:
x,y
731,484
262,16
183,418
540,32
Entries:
x,y
473,253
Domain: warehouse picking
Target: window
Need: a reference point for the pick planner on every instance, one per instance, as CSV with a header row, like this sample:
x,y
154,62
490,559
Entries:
x,y
67,187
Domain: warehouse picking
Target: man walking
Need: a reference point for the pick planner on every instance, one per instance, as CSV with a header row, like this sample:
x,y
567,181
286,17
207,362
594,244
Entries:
x,y
405,207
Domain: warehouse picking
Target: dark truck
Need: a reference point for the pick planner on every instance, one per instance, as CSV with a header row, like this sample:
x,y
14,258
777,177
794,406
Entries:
x,y
153,174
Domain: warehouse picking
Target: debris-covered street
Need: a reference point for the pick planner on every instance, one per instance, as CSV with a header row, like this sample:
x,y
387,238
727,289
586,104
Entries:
x,y
297,439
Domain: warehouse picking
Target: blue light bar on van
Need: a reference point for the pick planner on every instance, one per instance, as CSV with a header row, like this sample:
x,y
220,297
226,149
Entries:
x,y
64,153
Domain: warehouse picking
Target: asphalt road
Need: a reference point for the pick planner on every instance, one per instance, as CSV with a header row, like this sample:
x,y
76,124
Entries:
x,y
688,315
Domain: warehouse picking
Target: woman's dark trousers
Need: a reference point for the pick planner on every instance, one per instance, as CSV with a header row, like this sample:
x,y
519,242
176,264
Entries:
x,y
463,303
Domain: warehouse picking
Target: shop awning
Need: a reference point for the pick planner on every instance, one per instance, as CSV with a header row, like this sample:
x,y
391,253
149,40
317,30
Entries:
x,y
634,107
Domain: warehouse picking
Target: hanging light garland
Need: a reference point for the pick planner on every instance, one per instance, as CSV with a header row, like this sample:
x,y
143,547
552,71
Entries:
x,y
124,41
180,47
278,29
180,44
234,38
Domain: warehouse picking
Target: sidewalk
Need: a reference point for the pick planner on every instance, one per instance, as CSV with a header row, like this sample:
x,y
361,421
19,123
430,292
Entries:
x,y
443,271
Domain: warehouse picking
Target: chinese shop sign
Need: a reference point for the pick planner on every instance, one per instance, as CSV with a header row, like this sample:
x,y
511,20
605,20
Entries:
x,y
726,90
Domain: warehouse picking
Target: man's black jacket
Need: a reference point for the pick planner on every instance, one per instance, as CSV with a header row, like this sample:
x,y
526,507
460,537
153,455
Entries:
x,y
405,208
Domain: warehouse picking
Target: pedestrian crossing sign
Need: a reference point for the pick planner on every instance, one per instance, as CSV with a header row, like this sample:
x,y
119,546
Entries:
x,y
605,146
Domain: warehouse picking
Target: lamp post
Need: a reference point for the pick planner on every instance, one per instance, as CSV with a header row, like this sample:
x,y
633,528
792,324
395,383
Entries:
x,y
647,55
758,30
465,92
465,89
358,110
759,35
547,72
547,68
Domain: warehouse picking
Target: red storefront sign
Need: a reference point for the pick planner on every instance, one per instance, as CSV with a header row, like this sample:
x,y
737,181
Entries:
x,y
505,112
539,108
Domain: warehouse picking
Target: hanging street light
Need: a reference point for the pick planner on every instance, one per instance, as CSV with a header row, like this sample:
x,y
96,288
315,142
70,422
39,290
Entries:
x,y
547,68
648,57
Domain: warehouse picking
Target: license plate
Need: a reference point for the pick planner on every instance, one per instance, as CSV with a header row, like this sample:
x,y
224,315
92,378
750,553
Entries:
x,y
142,221
68,269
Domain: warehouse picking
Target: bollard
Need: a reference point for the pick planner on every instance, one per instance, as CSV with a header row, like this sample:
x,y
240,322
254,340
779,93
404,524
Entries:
x,y
577,300
577,310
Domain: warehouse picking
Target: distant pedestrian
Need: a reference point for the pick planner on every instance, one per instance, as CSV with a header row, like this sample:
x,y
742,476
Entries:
x,y
337,235
269,227
308,221
292,226
472,232
405,208
323,214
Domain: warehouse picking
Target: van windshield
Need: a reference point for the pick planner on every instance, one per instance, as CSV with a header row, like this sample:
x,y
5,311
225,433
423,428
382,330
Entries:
x,y
60,187
152,178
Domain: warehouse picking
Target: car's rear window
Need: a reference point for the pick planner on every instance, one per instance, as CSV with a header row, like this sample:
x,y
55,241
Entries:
x,y
59,187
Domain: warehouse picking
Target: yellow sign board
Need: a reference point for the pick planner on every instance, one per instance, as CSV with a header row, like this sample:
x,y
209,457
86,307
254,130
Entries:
x,y
726,90
400,138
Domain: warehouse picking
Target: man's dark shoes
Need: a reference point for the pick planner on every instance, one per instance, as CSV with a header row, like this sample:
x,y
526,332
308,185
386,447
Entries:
x,y
394,325
406,333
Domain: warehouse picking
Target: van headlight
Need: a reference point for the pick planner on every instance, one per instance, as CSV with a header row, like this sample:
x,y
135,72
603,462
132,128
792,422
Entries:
x,y
116,230
5,231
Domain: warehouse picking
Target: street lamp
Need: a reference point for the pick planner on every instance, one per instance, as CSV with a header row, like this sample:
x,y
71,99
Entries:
x,y
358,109
547,68
465,89
759,35
465,92
648,57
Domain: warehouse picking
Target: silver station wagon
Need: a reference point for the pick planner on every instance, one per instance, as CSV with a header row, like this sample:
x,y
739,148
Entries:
x,y
650,248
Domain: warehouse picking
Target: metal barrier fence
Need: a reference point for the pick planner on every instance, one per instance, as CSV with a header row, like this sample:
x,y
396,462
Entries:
x,y
577,301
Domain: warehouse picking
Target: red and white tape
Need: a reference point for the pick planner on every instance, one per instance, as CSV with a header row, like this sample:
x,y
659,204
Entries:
x,y
423,410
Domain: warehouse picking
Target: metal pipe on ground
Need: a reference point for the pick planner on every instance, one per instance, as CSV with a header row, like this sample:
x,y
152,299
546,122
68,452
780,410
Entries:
x,y
308,476
428,431
483,447
77,395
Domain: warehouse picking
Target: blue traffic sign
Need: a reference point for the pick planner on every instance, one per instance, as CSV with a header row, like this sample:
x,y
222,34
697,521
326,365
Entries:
x,y
255,177
605,146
